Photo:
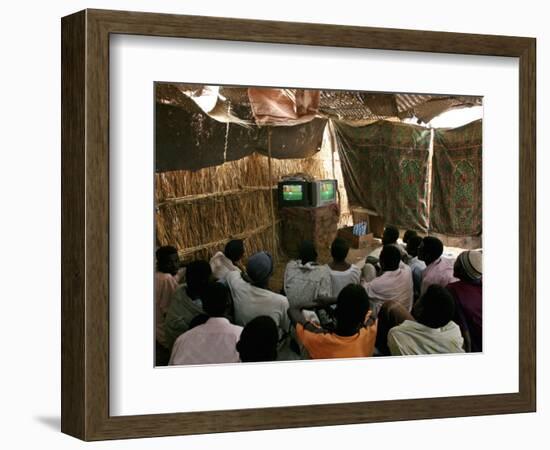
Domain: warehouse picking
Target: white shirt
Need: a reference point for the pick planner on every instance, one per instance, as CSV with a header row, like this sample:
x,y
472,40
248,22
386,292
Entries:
x,y
251,301
396,285
303,283
221,265
439,272
413,338
213,342
339,280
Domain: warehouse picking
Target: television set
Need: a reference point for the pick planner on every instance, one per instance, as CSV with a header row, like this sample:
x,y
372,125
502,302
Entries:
x,y
323,192
293,193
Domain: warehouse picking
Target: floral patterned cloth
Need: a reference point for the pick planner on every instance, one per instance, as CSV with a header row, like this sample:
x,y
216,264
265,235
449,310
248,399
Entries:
x,y
385,169
456,185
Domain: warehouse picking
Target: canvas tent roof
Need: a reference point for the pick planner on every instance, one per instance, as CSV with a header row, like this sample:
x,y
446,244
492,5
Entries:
x,y
350,106
233,126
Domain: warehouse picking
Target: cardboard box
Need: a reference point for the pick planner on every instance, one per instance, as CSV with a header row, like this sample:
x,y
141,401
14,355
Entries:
x,y
353,240
376,223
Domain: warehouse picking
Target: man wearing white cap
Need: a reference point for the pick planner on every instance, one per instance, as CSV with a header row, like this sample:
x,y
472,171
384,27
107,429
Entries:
x,y
468,298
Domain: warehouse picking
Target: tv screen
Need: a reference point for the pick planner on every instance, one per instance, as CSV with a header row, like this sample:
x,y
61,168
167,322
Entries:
x,y
323,192
293,192
328,193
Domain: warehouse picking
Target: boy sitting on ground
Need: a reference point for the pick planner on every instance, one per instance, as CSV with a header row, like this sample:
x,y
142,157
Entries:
x,y
354,334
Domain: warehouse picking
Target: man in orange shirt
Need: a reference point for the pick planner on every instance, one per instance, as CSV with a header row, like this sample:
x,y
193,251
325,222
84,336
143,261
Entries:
x,y
354,334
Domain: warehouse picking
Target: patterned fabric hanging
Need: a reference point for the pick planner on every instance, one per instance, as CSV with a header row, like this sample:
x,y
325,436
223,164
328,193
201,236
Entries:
x,y
456,181
385,169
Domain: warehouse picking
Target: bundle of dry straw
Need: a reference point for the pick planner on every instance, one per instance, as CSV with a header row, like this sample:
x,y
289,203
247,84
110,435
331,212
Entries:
x,y
198,212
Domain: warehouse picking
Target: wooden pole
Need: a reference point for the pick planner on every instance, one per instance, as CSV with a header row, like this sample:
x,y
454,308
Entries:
x,y
209,195
332,150
244,235
273,222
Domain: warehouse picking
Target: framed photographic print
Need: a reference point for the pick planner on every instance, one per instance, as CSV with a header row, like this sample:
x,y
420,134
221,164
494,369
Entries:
x,y
273,225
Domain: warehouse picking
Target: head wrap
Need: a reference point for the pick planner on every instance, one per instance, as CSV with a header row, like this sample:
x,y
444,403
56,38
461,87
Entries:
x,y
259,267
471,263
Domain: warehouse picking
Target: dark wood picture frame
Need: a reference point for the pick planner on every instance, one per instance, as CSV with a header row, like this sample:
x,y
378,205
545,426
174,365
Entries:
x,y
85,224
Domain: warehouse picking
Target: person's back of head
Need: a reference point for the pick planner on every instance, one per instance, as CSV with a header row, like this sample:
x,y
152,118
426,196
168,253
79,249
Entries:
x,y
435,308
215,299
413,244
408,235
339,250
390,257
197,276
430,249
307,252
352,306
258,341
391,314
468,266
234,250
390,235
167,259
259,268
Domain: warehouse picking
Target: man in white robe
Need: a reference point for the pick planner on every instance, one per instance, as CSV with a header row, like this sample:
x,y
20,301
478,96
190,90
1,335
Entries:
x,y
433,332
395,283
341,272
223,263
254,299
305,280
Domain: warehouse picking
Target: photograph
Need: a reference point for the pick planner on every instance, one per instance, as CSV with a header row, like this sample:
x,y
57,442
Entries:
x,y
298,223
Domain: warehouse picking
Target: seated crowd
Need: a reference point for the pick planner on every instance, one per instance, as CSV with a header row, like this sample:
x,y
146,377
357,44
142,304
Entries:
x,y
408,299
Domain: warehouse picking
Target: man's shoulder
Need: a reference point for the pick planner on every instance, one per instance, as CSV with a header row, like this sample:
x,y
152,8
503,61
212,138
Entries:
x,y
181,301
184,337
218,256
163,277
278,298
405,327
448,261
292,264
454,285
312,331
235,278
450,326
221,324
234,329
180,294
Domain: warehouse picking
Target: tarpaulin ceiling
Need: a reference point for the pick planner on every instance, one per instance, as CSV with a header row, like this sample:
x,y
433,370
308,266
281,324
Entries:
x,y
272,106
201,125
187,138
352,106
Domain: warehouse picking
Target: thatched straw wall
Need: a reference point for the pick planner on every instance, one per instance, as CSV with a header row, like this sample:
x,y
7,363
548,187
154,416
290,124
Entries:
x,y
198,211
199,225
